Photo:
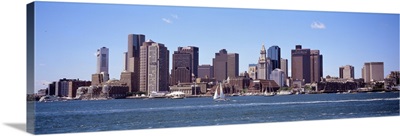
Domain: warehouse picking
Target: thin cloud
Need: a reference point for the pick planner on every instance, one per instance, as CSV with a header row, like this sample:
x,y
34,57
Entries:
x,y
168,21
175,16
318,25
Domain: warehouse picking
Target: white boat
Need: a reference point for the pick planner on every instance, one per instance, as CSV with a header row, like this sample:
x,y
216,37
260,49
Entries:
x,y
177,95
269,93
284,93
48,98
221,95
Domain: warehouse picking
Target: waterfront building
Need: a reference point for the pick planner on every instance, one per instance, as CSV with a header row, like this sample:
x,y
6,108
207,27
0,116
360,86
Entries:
x,y
264,66
306,65
316,66
274,53
278,76
129,79
252,71
233,65
346,72
51,89
187,88
395,75
238,84
262,85
73,85
99,78
284,67
154,65
61,87
225,65
372,71
185,64
102,60
205,70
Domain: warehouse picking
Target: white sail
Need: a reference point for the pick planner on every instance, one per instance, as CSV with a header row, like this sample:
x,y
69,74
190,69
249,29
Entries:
x,y
221,95
216,93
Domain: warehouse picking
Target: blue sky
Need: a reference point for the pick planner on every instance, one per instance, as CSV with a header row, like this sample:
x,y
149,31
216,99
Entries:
x,y
68,35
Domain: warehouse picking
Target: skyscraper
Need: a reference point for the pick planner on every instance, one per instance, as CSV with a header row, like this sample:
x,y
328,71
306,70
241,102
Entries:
x,y
133,58
264,65
316,66
101,74
131,73
154,65
181,67
373,71
284,66
194,53
301,64
205,70
102,60
233,65
274,53
225,65
185,63
307,65
346,72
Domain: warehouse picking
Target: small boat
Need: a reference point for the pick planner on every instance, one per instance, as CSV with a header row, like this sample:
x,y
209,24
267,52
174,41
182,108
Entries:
x,y
48,98
221,95
284,93
177,95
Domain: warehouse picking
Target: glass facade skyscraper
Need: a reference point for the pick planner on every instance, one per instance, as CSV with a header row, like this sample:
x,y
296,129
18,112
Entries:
x,y
274,53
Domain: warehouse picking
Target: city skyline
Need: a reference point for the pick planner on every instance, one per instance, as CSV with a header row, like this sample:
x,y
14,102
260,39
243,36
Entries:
x,y
73,38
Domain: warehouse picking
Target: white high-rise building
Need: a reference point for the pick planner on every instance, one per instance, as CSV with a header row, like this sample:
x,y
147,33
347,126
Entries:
x,y
102,60
278,76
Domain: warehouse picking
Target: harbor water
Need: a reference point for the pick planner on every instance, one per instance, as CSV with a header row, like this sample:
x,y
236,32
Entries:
x,y
131,114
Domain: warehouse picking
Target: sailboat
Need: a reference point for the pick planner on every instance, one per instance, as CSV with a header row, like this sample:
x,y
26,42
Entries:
x,y
221,96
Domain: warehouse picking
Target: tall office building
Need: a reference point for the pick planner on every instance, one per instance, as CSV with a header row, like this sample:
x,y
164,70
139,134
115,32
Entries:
x,y
205,70
225,65
301,68
284,67
307,65
252,71
133,56
233,65
131,73
101,74
373,71
274,53
316,66
264,65
102,60
154,65
346,72
194,53
181,68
